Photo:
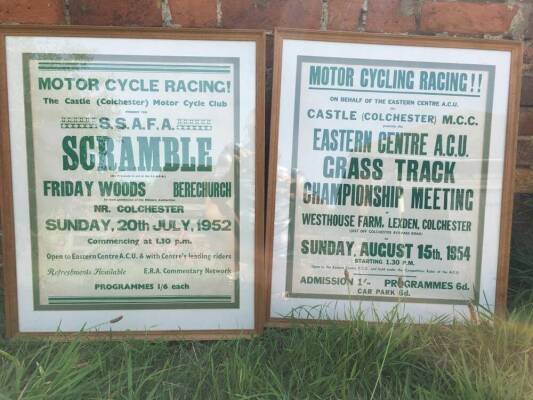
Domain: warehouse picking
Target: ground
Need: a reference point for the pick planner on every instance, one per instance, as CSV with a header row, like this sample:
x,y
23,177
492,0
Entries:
x,y
487,359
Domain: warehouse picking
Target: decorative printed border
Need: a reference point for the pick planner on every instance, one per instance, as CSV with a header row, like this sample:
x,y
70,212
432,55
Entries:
x,y
84,62
484,168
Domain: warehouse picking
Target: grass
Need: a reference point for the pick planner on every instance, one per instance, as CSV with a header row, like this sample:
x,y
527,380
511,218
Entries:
x,y
356,361
393,360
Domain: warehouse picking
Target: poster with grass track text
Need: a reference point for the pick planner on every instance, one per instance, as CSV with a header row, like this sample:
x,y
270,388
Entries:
x,y
389,180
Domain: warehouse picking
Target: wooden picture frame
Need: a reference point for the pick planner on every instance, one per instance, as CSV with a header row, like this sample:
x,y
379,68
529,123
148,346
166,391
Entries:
x,y
253,43
314,45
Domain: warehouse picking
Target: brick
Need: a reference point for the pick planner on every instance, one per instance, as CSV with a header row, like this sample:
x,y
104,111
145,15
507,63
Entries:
x,y
344,14
267,14
389,16
524,154
523,182
525,124
32,11
528,53
528,34
194,13
466,18
116,12
526,98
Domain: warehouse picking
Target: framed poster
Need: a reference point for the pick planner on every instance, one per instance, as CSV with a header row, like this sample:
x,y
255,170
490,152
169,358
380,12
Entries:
x,y
132,170
390,181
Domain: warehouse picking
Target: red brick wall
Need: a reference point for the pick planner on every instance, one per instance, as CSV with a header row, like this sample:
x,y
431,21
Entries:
x,y
507,19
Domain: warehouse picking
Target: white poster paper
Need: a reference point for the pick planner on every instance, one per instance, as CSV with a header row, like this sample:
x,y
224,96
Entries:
x,y
129,165
389,175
